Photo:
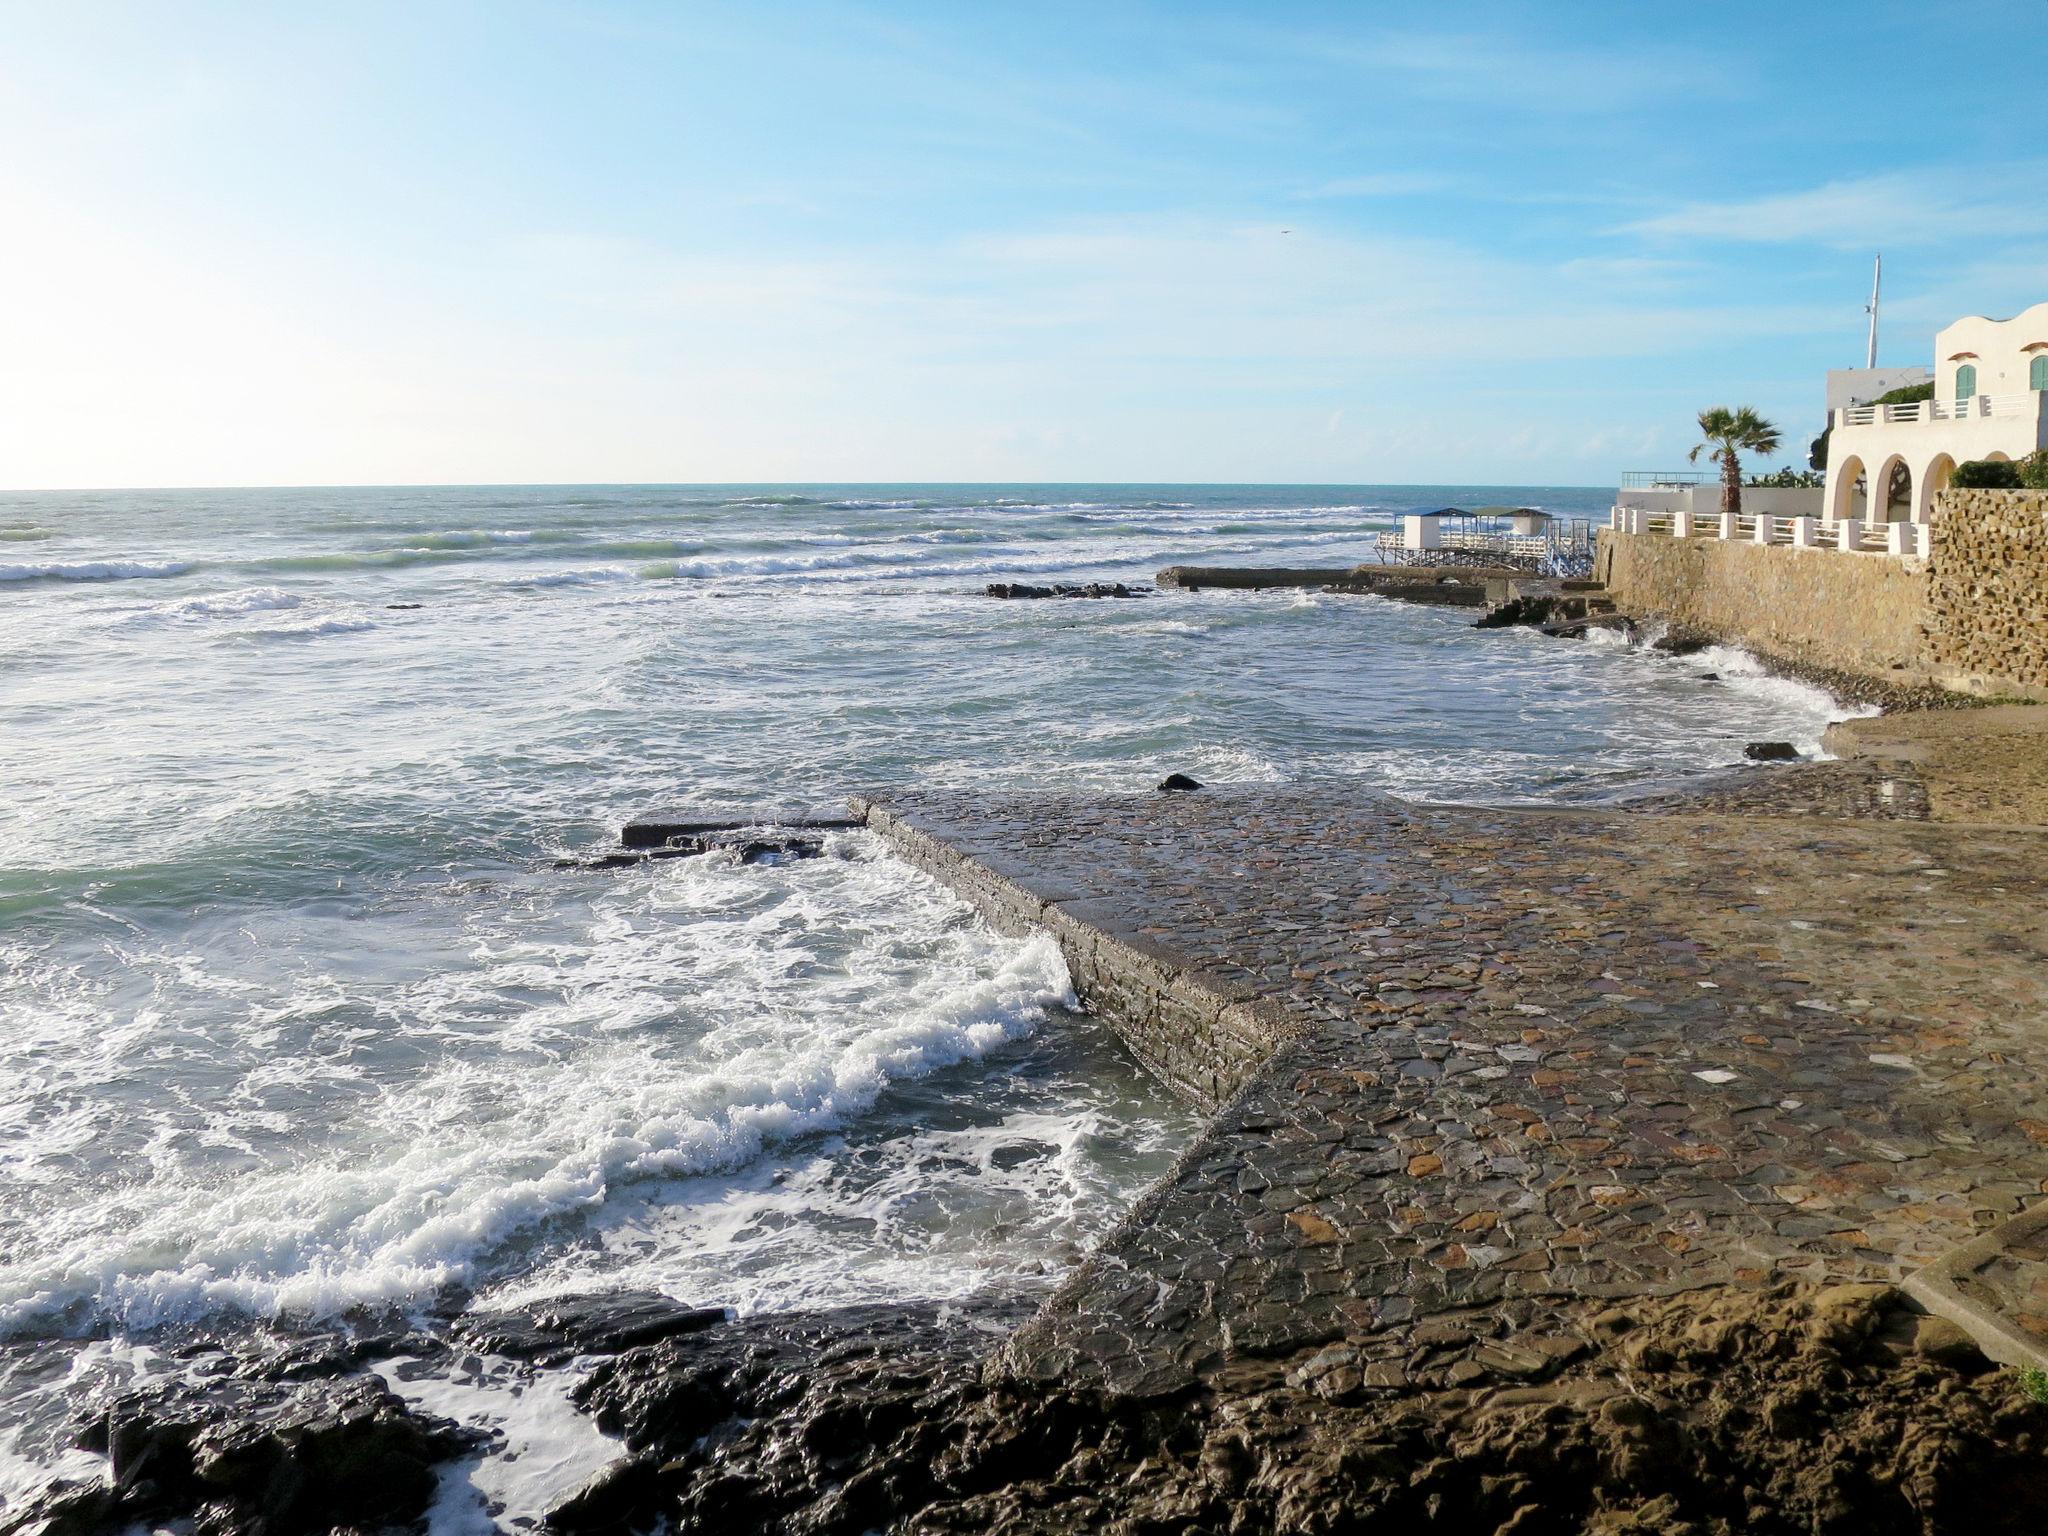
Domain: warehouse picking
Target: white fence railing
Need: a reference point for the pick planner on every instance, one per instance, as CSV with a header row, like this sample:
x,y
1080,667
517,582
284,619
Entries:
x,y
1851,535
1968,408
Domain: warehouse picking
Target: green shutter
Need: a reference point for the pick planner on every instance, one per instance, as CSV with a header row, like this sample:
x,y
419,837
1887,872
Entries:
x,y
2037,372
1966,381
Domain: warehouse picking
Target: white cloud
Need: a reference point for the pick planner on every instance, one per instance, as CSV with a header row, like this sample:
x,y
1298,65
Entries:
x,y
1898,208
1382,184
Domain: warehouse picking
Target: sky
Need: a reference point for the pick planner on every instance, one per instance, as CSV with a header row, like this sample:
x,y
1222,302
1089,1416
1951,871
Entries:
x,y
260,244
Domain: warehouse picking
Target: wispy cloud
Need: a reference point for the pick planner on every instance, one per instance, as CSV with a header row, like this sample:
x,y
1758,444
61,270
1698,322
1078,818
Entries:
x,y
1382,184
1495,69
1917,207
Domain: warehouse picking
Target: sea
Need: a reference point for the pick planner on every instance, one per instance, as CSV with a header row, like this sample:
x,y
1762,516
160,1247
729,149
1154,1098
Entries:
x,y
301,1021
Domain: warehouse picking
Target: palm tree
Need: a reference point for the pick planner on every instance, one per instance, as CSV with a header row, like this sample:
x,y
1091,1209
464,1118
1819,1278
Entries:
x,y
1729,435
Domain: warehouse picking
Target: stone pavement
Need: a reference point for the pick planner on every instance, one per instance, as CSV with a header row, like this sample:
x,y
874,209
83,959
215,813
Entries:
x,y
1493,1070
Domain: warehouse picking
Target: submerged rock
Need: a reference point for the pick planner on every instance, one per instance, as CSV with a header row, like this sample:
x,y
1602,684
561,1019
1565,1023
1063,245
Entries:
x,y
749,847
1771,752
1178,783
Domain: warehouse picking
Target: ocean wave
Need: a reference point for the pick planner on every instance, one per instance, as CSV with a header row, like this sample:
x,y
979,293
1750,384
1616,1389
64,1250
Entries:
x,y
228,604
325,1234
596,576
310,628
24,533
95,570
470,538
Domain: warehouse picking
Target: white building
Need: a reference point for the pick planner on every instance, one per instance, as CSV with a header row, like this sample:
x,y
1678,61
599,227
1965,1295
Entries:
x,y
1886,462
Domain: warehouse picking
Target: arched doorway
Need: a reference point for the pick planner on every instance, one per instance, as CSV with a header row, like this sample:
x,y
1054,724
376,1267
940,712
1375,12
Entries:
x,y
1891,498
1934,479
1846,493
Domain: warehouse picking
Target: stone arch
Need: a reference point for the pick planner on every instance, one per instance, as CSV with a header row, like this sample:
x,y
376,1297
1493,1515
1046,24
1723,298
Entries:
x,y
1890,495
1846,493
1934,480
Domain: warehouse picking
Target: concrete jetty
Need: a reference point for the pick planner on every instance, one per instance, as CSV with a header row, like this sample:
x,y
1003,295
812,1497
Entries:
x,y
1461,586
1481,1073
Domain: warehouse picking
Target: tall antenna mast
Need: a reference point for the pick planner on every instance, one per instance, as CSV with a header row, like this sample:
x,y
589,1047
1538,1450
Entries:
x,y
1876,280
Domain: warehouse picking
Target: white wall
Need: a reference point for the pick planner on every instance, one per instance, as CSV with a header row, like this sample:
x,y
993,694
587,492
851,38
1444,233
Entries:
x,y
2000,345
1857,386
1705,500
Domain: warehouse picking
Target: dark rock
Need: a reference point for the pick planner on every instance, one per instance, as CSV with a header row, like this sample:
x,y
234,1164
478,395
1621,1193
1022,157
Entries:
x,y
1018,1153
403,607
1015,590
688,828
1771,752
1178,784
1680,643
560,1329
246,1455
836,1421
752,848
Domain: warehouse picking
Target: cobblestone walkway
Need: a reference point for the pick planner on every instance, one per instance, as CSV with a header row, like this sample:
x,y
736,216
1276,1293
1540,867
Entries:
x,y
1521,1061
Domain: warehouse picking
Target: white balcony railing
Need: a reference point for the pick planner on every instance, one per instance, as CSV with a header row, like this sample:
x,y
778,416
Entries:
x,y
1968,408
1852,535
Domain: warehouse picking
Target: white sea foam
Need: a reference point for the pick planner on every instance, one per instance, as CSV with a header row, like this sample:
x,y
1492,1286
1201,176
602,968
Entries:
x,y
94,570
541,1447
1809,708
428,1175
236,603
311,627
594,576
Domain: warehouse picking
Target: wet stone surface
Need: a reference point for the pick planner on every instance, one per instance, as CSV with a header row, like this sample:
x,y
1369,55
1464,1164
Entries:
x,y
1518,1063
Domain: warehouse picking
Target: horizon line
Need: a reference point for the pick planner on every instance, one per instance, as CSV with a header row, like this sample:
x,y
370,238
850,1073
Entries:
x,y
555,485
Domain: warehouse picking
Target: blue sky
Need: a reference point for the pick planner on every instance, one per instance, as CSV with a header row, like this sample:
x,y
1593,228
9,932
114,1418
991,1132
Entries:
x,y
260,244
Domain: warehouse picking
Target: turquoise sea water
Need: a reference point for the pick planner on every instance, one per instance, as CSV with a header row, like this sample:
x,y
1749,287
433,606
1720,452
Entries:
x,y
300,1018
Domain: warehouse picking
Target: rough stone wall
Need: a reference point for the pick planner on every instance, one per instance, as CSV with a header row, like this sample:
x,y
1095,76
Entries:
x,y
1204,1034
1988,589
1855,613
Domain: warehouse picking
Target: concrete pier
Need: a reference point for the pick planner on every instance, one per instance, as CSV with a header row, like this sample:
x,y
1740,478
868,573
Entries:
x,y
1484,1072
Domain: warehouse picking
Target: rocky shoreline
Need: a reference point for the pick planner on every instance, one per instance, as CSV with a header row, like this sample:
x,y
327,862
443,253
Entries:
x,y
1793,1409
1483,1248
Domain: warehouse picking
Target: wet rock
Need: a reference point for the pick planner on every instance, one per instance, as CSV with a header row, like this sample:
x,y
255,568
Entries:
x,y
1017,1153
235,1454
1771,752
827,1421
750,848
1679,642
550,1332
1178,783
403,607
1016,590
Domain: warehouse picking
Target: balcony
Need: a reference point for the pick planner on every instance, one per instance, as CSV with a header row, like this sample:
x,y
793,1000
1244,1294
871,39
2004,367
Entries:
x,y
2026,407
1847,535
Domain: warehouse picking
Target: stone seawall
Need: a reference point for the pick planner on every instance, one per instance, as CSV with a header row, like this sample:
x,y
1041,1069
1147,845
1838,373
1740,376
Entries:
x,y
1855,613
1972,616
1204,1035
1988,589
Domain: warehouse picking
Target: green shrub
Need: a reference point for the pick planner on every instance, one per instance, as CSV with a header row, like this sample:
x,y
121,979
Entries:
x,y
2033,1381
2034,470
1911,394
1986,475
1785,479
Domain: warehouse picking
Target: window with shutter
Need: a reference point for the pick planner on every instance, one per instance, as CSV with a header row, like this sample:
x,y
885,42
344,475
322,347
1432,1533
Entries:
x,y
2037,372
1966,381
